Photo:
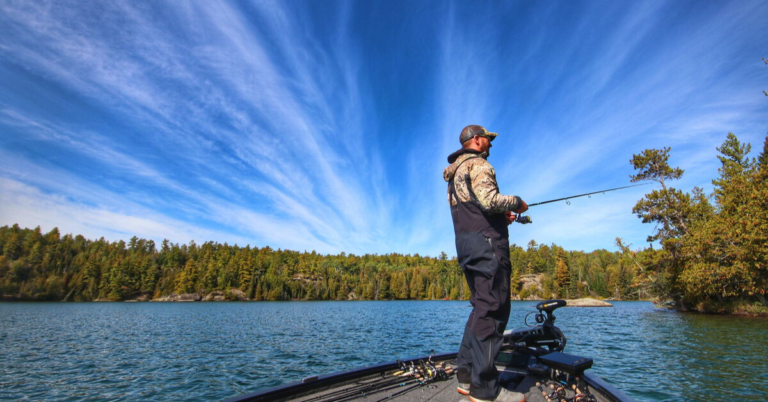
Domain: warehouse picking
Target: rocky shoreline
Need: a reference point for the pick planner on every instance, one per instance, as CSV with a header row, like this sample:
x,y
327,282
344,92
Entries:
x,y
587,302
238,295
217,295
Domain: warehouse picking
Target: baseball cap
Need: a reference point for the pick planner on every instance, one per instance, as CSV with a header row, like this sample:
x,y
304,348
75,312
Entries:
x,y
472,130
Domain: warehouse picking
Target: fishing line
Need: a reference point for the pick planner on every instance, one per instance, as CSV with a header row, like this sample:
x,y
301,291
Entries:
x,y
583,195
525,219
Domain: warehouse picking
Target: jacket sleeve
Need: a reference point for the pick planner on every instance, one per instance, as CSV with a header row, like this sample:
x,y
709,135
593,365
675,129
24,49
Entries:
x,y
487,191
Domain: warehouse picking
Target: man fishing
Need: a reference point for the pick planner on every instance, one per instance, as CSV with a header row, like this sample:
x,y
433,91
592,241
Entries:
x,y
480,219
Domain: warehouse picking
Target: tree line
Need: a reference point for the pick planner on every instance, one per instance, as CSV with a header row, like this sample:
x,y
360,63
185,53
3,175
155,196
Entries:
x,y
51,266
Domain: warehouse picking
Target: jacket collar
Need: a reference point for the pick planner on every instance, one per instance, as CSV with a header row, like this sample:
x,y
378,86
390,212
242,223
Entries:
x,y
452,157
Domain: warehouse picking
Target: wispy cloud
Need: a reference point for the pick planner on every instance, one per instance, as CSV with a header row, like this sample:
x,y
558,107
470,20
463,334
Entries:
x,y
327,128
266,116
30,207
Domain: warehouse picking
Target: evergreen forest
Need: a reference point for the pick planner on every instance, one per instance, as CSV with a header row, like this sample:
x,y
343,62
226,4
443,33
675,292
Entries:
x,y
51,266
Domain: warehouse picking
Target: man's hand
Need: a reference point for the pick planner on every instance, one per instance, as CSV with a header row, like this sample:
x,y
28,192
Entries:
x,y
522,208
510,217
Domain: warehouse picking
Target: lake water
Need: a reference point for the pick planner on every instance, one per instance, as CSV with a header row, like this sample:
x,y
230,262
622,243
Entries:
x,y
210,351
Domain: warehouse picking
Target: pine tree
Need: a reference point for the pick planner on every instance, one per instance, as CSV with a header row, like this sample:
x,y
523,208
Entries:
x,y
417,286
669,208
726,255
762,160
562,275
672,211
514,280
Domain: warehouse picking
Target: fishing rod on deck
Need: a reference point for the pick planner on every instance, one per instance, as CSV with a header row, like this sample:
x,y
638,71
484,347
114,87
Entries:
x,y
527,219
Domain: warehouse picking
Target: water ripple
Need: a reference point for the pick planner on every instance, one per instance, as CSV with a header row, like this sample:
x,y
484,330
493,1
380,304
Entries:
x,y
210,351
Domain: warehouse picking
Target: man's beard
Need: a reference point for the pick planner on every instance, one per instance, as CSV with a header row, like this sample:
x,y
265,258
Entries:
x,y
486,154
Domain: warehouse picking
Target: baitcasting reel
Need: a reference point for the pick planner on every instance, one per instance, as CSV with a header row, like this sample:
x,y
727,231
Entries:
x,y
523,219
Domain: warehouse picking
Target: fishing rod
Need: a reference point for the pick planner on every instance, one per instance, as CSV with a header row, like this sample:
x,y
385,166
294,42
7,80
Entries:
x,y
408,378
527,219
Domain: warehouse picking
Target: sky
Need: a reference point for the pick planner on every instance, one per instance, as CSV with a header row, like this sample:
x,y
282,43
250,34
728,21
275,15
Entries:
x,y
325,125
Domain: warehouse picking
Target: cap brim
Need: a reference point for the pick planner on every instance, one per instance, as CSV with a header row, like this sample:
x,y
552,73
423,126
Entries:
x,y
492,136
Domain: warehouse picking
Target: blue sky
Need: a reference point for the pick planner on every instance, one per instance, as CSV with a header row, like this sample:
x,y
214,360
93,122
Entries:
x,y
325,125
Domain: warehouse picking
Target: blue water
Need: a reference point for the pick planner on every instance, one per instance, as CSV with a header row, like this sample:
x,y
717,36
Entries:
x,y
210,351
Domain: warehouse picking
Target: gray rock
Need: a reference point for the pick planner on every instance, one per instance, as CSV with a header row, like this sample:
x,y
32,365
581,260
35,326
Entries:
x,y
189,297
184,297
238,294
213,296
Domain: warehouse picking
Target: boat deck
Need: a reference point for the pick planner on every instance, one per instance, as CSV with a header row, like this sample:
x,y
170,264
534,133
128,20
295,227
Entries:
x,y
435,391
532,355
440,391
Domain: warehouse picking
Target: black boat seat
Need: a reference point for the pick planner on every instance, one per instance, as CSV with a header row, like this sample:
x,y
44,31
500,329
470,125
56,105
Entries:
x,y
571,364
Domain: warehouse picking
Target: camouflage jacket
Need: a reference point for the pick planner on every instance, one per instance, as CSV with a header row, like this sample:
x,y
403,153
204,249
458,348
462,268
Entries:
x,y
475,181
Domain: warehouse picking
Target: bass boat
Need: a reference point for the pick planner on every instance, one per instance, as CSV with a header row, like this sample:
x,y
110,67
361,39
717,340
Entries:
x,y
532,361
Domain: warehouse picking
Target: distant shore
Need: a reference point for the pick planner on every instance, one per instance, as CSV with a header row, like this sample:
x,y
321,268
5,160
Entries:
x,y
219,296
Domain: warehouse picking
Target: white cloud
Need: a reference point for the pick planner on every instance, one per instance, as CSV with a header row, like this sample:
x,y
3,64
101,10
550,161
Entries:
x,y
30,207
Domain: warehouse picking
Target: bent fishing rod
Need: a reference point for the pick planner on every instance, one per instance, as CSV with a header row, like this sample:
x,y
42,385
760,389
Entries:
x,y
527,219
